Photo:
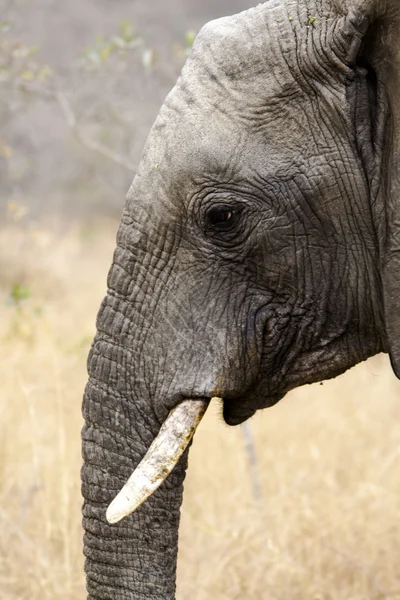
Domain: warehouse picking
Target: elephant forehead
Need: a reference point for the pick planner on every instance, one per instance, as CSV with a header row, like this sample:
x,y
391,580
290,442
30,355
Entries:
x,y
189,141
238,94
243,46
238,64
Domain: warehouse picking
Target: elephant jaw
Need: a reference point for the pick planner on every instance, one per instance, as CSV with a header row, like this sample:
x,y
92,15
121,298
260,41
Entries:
x,y
160,459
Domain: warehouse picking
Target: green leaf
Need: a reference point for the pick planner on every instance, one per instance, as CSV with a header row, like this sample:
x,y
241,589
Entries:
x,y
19,293
5,26
33,50
27,75
105,53
127,31
44,73
190,36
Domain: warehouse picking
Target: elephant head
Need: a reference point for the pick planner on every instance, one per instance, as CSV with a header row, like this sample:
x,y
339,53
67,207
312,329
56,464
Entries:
x,y
259,250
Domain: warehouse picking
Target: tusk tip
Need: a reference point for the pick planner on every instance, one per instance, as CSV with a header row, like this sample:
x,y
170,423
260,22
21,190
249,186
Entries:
x,y
118,510
112,518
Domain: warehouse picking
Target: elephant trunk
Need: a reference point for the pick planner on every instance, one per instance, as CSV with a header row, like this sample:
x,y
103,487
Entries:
x,y
134,559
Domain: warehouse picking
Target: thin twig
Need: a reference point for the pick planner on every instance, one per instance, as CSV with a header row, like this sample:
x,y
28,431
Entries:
x,y
250,448
71,121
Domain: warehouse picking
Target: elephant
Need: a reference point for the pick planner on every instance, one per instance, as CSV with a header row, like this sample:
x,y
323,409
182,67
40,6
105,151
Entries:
x,y
258,251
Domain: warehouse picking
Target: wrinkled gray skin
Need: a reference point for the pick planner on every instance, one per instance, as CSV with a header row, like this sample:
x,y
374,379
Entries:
x,y
258,251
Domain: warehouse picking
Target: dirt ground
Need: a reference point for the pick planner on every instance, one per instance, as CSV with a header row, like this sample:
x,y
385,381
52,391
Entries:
x,y
326,522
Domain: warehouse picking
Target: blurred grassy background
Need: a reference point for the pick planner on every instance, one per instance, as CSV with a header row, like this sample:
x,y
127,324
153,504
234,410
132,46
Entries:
x,y
326,526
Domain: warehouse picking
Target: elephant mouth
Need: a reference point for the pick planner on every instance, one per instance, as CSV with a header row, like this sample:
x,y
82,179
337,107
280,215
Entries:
x,y
235,413
171,442
162,456
238,409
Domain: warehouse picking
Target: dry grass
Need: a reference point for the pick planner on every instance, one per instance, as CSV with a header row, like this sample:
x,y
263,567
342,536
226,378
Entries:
x,y
327,526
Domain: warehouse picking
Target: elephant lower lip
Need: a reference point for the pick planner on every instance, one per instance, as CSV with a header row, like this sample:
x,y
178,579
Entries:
x,y
233,415
239,410
235,420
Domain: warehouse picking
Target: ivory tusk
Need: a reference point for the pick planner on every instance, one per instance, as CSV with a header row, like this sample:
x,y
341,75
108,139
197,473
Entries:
x,y
162,456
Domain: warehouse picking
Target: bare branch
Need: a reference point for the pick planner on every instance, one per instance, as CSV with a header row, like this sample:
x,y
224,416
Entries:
x,y
71,121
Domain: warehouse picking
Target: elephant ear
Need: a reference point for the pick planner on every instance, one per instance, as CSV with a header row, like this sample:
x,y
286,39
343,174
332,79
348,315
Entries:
x,y
370,38
391,244
385,59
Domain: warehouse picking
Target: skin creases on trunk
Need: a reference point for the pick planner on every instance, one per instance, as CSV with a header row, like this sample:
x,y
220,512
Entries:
x,y
136,558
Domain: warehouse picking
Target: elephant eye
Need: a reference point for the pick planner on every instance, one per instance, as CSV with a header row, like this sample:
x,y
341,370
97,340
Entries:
x,y
221,217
